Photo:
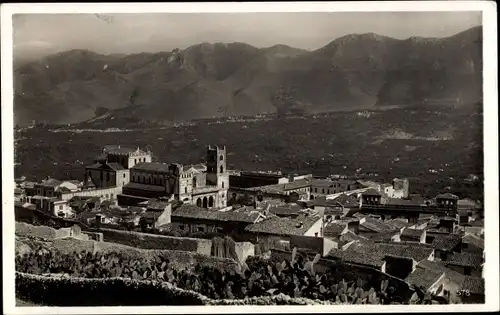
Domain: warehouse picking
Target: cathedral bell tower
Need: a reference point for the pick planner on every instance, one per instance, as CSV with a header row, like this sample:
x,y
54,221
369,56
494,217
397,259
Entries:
x,y
216,165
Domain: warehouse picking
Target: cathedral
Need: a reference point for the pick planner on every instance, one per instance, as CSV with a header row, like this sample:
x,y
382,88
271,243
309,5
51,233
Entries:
x,y
204,185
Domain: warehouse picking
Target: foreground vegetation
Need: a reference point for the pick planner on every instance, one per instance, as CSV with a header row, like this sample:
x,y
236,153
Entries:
x,y
294,278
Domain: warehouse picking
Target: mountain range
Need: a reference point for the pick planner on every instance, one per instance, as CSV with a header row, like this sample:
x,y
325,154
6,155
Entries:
x,y
235,79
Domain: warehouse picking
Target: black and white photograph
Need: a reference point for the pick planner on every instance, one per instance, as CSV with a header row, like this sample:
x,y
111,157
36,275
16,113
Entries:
x,y
235,157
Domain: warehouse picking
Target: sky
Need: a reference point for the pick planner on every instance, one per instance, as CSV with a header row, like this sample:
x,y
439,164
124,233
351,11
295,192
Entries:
x,y
41,34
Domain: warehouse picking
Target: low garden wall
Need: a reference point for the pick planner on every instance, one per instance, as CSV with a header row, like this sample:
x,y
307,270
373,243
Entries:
x,y
179,259
25,229
37,217
66,291
154,241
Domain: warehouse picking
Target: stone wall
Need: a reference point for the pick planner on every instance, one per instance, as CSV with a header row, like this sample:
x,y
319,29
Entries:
x,y
109,193
24,229
95,236
154,241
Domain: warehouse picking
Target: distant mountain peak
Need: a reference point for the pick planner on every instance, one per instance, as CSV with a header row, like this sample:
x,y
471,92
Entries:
x,y
355,70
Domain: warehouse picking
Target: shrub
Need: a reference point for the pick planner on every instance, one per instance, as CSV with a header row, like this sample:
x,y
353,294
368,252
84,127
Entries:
x,y
295,278
61,291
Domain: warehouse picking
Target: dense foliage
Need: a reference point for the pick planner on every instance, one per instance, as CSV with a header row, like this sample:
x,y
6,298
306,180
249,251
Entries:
x,y
35,290
339,143
295,278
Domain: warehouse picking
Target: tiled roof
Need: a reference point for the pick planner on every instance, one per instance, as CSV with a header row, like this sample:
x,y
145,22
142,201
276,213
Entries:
x,y
156,204
151,167
194,212
63,189
412,233
356,256
326,183
373,254
150,215
403,202
377,225
397,223
350,236
118,149
284,226
146,187
415,251
134,209
368,183
51,182
473,239
334,229
196,167
465,260
434,266
323,202
447,196
301,183
473,284
446,242
466,203
85,215
423,278
285,210
347,200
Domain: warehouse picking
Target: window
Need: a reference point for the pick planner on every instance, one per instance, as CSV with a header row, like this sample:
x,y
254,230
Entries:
x,y
315,190
323,191
181,227
123,175
222,184
222,169
185,190
316,234
201,229
221,158
60,207
107,177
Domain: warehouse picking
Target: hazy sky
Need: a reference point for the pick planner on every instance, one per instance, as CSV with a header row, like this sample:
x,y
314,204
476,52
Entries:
x,y
131,33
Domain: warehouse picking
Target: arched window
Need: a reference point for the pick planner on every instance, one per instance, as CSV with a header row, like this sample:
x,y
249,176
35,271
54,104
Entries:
x,y
222,169
221,158
194,182
205,202
198,202
222,184
185,190
211,202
